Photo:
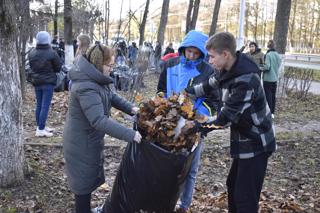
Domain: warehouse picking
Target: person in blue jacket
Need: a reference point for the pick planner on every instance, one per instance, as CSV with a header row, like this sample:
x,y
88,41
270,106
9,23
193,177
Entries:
x,y
179,73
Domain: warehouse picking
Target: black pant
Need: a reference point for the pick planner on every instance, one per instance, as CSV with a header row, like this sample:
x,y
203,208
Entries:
x,y
270,89
244,183
83,203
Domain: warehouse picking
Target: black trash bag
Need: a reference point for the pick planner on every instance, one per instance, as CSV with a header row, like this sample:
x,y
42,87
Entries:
x,y
149,178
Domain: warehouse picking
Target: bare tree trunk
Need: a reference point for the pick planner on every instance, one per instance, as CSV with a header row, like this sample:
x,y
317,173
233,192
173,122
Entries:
x,y
256,17
68,32
215,16
195,14
55,18
163,21
11,129
188,18
317,28
120,21
246,26
23,23
129,23
293,22
143,23
311,27
281,25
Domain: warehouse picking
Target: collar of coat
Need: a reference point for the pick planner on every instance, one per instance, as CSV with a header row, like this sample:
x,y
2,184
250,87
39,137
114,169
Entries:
x,y
243,65
92,72
271,50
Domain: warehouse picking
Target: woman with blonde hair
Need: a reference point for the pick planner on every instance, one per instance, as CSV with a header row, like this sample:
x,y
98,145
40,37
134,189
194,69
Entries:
x,y
88,120
83,44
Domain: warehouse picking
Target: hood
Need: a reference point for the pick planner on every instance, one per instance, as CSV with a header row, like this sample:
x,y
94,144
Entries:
x,y
271,50
43,46
194,39
82,70
243,65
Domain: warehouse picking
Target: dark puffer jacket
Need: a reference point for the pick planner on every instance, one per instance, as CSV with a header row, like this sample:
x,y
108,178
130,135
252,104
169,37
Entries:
x,y
87,123
44,63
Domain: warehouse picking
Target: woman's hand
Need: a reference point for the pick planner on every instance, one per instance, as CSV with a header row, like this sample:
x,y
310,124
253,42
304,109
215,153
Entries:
x,y
135,110
137,137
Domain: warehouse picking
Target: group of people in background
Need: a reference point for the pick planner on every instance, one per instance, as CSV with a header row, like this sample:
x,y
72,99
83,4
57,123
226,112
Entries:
x,y
225,85
269,65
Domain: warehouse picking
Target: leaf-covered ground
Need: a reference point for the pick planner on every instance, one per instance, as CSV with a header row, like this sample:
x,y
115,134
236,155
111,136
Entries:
x,y
292,183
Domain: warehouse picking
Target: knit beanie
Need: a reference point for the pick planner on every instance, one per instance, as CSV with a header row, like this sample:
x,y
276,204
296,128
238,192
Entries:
x,y
43,37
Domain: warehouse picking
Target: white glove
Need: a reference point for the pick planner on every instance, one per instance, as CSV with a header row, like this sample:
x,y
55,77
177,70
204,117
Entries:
x,y
137,137
135,110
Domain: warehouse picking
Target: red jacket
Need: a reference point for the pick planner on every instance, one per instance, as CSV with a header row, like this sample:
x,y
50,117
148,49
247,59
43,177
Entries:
x,y
169,55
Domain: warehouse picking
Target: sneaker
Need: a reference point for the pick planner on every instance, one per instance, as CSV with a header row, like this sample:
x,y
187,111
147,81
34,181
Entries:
x,y
98,209
43,133
48,129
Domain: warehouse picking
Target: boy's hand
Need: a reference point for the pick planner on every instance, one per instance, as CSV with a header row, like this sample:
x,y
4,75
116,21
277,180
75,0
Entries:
x,y
191,93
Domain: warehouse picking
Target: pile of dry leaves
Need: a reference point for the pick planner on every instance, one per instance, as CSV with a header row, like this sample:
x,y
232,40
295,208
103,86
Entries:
x,y
169,123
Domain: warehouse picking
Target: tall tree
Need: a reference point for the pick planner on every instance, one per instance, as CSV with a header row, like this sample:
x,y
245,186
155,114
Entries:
x,y
163,21
195,13
281,25
68,32
189,14
256,11
23,24
143,23
11,146
215,16
55,18
292,24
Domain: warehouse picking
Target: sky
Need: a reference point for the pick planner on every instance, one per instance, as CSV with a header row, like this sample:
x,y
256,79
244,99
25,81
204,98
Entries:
x,y
115,6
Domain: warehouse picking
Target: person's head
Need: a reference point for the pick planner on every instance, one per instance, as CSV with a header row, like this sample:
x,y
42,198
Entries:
x,y
192,53
193,44
43,37
221,50
270,44
134,44
83,44
253,46
102,57
170,45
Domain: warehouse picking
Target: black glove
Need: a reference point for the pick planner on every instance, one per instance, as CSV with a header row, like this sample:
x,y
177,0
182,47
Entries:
x,y
191,92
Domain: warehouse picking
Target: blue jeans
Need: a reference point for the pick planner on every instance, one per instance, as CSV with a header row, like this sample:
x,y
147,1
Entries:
x,y
188,188
44,95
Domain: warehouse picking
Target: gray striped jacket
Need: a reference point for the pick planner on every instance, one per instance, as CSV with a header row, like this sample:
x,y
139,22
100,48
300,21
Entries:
x,y
244,108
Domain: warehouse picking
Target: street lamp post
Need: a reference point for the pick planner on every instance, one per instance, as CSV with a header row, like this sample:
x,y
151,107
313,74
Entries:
x,y
240,39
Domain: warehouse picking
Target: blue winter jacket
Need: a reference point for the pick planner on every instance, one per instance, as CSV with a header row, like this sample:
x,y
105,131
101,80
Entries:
x,y
179,73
